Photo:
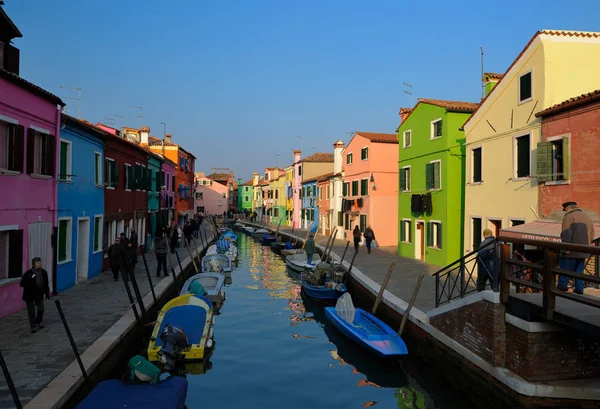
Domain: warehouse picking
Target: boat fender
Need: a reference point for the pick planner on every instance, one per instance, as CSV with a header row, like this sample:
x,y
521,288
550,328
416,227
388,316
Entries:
x,y
211,332
214,320
209,343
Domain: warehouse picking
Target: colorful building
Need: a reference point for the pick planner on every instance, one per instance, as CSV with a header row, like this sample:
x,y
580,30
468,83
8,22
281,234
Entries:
x,y
211,196
29,129
155,183
167,193
245,191
258,202
370,190
277,193
336,183
226,179
80,202
297,189
308,169
309,202
323,203
502,135
289,195
431,169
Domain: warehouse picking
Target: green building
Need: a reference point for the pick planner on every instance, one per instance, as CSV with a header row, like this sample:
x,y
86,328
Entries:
x,y
432,178
245,195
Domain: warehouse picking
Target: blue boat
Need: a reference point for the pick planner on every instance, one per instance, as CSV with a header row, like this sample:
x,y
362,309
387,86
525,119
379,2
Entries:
x,y
222,246
266,239
168,394
365,329
229,235
326,291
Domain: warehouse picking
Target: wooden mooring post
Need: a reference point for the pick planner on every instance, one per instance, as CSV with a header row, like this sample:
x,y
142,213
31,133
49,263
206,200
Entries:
x,y
410,304
382,289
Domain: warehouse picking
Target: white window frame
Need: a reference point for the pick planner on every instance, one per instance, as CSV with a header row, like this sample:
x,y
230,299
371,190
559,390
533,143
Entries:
x,y
404,145
98,169
440,162
69,248
553,139
472,166
434,232
361,149
69,161
100,234
108,170
407,229
408,180
126,178
516,157
519,102
432,127
350,157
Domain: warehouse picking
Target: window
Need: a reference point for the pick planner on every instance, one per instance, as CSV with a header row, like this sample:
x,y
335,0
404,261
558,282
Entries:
x,y
200,196
364,153
523,165
97,233
434,235
111,173
65,172
406,139
476,232
433,175
327,191
355,188
11,254
40,153
436,129
320,189
276,194
476,165
349,159
65,227
246,189
246,198
363,222
346,189
276,212
525,87
129,177
405,230
364,187
347,221
340,217
516,222
405,179
98,168
553,160
12,143
173,183
267,176
300,170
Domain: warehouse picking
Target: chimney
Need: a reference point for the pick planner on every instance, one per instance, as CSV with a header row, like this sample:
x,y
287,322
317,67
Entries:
x,y
144,132
254,179
338,147
168,138
404,112
490,80
297,154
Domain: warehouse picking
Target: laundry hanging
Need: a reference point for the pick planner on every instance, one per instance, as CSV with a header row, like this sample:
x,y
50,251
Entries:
x,y
427,203
360,203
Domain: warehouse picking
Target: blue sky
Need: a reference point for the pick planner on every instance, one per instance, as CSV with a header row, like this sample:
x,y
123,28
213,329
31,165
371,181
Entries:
x,y
237,81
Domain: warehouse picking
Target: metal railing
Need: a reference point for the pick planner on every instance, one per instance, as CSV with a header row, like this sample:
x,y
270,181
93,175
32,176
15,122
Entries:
x,y
456,280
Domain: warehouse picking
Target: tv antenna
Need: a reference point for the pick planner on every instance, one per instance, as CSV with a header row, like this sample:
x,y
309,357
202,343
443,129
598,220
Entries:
x,y
141,115
409,93
299,137
78,99
482,82
117,116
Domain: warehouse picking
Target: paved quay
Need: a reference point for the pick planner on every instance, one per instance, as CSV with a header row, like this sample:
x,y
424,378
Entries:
x,y
91,308
375,266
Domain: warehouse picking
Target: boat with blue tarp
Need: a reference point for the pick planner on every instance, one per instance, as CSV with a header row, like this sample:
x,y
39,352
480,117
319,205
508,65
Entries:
x,y
267,239
323,283
211,284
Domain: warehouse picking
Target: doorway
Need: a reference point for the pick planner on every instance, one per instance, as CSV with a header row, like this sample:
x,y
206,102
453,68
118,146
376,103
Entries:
x,y
40,245
419,240
83,249
494,225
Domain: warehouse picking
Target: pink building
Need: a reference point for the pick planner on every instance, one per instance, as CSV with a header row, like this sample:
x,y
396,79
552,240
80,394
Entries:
x,y
297,201
211,196
370,190
167,194
29,125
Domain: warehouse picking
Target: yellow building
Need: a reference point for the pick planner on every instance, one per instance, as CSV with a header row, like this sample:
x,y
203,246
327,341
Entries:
x,y
503,133
289,202
277,197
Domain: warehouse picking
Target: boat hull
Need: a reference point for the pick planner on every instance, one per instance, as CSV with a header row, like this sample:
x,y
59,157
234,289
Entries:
x,y
323,294
213,283
223,260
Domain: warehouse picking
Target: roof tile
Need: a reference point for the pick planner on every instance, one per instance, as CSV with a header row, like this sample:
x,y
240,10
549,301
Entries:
x,y
379,137
570,103
453,106
319,157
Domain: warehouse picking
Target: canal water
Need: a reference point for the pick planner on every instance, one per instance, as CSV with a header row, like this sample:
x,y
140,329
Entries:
x,y
275,350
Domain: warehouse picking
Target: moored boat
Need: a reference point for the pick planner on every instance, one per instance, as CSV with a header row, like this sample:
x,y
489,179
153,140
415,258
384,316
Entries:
x,y
365,329
212,283
290,251
321,284
248,230
216,263
298,263
266,239
232,252
260,232
277,247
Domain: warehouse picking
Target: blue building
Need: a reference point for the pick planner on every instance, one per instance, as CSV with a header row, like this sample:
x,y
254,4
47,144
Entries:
x,y
309,202
80,202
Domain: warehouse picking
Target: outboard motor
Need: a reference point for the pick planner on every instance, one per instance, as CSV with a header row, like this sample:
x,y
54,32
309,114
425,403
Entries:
x,y
174,340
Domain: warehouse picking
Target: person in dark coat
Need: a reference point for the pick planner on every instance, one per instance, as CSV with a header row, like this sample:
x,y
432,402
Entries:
x,y
357,235
131,252
486,261
115,252
369,237
173,237
133,238
188,230
160,248
35,287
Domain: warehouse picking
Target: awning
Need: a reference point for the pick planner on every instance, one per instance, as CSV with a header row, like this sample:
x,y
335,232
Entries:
x,y
545,230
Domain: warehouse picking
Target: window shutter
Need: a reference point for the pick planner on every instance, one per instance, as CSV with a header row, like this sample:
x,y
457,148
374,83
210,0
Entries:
x,y
51,159
173,183
62,240
438,128
565,154
429,234
106,165
439,235
402,230
544,161
17,148
436,175
429,176
149,184
402,180
409,232
340,219
115,174
30,150
62,174
15,256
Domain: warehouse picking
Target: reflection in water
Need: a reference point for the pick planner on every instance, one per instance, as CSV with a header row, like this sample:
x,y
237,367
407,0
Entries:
x,y
409,398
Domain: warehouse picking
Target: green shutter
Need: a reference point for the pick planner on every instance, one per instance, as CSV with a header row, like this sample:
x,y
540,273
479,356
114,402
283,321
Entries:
x,y
402,230
64,151
62,240
402,180
345,189
438,129
565,153
409,231
429,176
439,235
340,219
544,161
132,172
363,222
96,232
437,175
429,234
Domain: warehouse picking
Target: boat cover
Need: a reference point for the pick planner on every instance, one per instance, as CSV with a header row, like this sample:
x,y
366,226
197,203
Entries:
x,y
222,245
197,289
169,394
288,245
189,318
345,308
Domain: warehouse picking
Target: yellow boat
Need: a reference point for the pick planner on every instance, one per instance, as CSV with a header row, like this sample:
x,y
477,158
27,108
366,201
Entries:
x,y
183,331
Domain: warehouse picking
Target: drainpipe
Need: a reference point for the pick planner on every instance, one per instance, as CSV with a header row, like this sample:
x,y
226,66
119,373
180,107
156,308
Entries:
x,y
54,237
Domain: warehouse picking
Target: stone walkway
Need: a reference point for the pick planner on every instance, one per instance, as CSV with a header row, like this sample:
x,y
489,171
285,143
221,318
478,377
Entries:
x,y
375,266
90,308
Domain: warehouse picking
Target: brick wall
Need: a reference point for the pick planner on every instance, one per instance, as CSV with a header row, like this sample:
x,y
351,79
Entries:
x,y
558,355
478,327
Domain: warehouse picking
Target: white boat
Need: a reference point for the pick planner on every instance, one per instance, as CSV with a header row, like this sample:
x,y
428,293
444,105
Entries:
x,y
261,231
213,284
232,253
297,262
248,230
216,263
238,224
289,252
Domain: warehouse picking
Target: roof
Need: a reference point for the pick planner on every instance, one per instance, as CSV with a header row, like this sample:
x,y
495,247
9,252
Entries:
x,y
88,126
557,33
34,89
219,176
115,135
405,111
154,141
450,106
570,103
319,157
318,178
248,183
11,24
325,177
379,137
492,76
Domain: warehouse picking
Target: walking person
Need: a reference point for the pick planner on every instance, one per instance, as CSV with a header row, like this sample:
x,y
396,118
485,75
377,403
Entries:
x,y
115,252
369,237
173,237
577,228
133,238
357,235
35,287
160,248
131,252
486,261
311,248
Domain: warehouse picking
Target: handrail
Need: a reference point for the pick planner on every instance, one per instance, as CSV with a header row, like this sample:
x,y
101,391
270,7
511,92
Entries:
x,y
463,258
579,248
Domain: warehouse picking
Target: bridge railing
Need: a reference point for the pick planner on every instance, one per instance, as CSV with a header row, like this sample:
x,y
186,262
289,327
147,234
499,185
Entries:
x,y
542,275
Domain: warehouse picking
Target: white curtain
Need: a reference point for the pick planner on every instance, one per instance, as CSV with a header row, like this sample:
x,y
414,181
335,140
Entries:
x,y
40,245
